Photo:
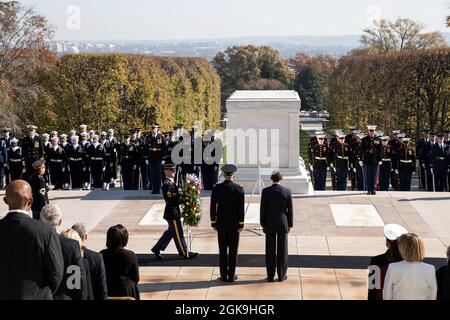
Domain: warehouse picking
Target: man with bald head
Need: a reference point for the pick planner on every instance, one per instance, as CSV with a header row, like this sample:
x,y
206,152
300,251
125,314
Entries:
x,y
31,261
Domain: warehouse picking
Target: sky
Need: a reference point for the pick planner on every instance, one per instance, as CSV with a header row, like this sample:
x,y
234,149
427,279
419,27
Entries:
x,y
205,19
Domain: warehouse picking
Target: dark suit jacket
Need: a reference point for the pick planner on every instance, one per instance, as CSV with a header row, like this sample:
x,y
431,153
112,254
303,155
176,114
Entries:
x,y
276,213
443,283
227,206
122,273
31,261
72,257
382,260
97,274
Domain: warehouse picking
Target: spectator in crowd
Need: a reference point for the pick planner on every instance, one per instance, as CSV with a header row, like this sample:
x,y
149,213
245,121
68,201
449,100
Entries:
x,y
410,279
443,280
39,188
121,265
31,261
95,265
70,288
392,232
276,217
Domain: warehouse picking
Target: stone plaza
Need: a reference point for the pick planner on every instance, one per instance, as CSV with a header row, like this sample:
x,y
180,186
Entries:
x,y
334,235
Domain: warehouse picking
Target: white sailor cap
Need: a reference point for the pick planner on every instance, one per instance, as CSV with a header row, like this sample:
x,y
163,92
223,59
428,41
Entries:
x,y
45,135
320,136
401,135
84,134
14,140
338,132
72,132
318,132
75,138
83,126
406,139
103,133
91,131
110,130
393,231
54,132
340,135
372,127
32,127
63,135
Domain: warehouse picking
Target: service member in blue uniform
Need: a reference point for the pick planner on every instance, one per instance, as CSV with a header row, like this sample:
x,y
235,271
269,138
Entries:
x,y
96,153
56,164
370,159
341,164
127,160
227,218
172,214
438,158
16,163
421,144
406,164
319,162
7,140
386,166
32,149
85,143
75,160
156,146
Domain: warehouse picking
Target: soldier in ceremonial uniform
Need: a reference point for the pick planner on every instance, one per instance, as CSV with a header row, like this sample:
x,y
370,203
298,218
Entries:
x,y
56,157
330,155
32,149
85,143
156,146
39,188
227,218
341,152
386,167
439,163
6,138
370,159
107,146
75,159
319,163
425,156
83,129
66,174
421,144
127,160
172,214
350,138
16,163
395,144
3,161
357,180
96,153
406,164
140,178
114,156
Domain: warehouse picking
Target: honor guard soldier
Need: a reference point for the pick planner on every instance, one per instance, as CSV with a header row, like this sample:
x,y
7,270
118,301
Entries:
x,y
421,144
227,218
6,138
46,142
438,158
56,164
32,149
351,137
107,146
406,164
96,153
425,154
16,162
85,143
172,214
357,179
330,155
83,129
386,167
66,174
39,188
370,159
156,145
341,152
127,160
114,156
140,178
319,164
75,159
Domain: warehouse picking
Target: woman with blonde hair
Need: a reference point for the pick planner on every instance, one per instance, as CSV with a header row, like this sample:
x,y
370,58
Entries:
x,y
410,279
72,234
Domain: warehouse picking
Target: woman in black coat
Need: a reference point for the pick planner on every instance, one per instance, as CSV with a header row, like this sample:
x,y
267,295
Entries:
x,y
121,265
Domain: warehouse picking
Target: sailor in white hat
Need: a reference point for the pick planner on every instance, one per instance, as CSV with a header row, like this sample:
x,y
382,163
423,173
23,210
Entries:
x,y
392,233
15,160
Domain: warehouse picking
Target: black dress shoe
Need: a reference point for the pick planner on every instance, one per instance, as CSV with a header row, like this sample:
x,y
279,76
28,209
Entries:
x,y
223,279
192,255
269,279
282,279
232,279
374,193
369,193
157,254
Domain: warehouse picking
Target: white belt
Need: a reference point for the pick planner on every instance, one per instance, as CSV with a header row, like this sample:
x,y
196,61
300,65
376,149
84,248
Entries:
x,y
406,161
96,158
318,158
56,160
75,159
386,160
440,158
343,158
15,160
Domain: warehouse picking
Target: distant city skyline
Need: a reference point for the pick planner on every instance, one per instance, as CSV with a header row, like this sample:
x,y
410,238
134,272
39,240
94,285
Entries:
x,y
132,20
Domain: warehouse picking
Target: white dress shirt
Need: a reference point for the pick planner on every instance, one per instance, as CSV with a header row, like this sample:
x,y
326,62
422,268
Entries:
x,y
410,281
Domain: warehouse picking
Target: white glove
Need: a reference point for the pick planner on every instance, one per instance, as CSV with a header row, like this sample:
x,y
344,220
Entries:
x,y
354,170
63,169
311,167
84,169
396,171
331,165
146,162
380,163
361,164
104,168
134,167
24,170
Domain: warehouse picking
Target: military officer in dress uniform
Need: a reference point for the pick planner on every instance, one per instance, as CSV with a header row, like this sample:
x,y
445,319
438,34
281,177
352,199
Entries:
x,y
330,155
319,162
421,144
140,178
127,160
357,180
66,174
341,153
39,188
425,155
438,158
386,167
107,146
227,218
56,157
16,162
114,156
32,150
75,159
85,143
172,214
96,153
370,159
156,146
406,164
3,161
6,138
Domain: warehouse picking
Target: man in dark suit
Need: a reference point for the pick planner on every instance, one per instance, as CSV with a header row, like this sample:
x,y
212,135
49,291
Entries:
x,y
172,214
227,218
74,283
392,232
276,220
31,261
95,264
